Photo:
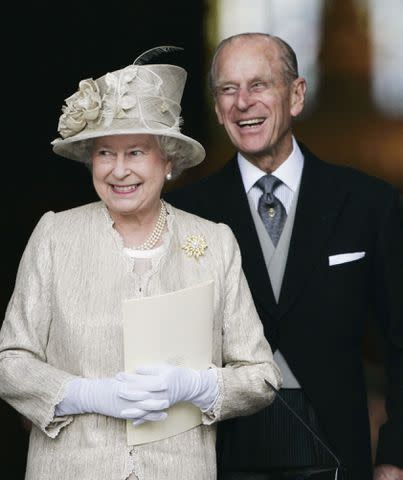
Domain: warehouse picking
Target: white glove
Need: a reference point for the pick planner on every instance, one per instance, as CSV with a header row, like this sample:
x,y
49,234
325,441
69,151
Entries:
x,y
86,395
172,385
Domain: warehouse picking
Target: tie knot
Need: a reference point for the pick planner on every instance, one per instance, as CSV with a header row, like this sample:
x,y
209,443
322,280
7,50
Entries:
x,y
268,183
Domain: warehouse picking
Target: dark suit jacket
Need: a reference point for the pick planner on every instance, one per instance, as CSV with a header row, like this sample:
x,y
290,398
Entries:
x,y
319,322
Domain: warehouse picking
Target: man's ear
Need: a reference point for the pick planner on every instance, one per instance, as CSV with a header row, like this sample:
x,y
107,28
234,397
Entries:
x,y
297,93
218,113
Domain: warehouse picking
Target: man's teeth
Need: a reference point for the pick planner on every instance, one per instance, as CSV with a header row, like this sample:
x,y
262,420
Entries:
x,y
253,121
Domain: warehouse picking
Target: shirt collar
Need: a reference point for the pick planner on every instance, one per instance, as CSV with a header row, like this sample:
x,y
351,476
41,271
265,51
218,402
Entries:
x,y
289,172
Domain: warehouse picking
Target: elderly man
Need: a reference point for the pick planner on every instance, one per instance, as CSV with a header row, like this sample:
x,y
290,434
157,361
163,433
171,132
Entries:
x,y
321,244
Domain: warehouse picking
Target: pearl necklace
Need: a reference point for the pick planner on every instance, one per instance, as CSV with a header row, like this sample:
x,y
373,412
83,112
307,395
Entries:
x,y
157,232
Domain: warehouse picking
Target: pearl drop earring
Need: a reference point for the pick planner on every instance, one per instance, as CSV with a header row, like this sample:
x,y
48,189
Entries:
x,y
168,176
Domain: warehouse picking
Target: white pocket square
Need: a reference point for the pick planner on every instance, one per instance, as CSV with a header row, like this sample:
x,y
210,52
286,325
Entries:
x,y
345,257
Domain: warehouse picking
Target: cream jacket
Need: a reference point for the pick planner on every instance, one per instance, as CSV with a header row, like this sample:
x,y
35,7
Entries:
x,y
64,321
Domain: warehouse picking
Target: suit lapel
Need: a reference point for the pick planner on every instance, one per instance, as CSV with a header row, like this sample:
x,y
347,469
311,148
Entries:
x,y
320,200
236,213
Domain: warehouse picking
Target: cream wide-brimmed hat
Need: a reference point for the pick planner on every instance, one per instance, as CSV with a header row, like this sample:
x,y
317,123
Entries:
x,y
138,99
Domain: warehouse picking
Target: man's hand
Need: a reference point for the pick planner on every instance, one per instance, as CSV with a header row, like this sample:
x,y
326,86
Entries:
x,y
388,472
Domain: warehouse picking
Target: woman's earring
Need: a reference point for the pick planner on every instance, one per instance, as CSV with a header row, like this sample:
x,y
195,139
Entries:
x,y
168,176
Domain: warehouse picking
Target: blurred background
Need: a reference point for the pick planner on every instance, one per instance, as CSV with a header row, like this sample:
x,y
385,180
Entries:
x,y
350,51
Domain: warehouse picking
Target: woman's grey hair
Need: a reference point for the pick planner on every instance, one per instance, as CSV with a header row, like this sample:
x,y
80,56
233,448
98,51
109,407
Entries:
x,y
287,57
171,148
176,151
84,149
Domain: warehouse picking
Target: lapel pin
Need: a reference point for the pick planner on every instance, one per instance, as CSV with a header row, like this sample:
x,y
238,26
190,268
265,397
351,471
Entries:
x,y
271,211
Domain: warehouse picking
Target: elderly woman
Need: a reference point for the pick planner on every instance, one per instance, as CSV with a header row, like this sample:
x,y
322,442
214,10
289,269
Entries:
x,y
61,344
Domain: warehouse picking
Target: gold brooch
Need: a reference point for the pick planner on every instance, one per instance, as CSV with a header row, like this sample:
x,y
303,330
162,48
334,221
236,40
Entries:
x,y
195,246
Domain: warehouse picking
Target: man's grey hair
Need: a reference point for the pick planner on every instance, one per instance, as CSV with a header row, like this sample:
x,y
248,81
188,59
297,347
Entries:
x,y
287,57
171,148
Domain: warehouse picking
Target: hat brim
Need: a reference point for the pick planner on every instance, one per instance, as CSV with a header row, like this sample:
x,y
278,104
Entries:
x,y
71,147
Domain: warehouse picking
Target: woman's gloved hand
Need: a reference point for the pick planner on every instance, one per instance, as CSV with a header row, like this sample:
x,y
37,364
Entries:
x,y
171,385
101,395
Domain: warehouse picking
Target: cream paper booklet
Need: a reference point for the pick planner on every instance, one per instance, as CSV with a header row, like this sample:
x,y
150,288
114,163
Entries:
x,y
173,328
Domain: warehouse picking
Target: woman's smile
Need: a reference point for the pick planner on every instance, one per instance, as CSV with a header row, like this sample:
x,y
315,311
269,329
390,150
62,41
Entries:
x,y
125,189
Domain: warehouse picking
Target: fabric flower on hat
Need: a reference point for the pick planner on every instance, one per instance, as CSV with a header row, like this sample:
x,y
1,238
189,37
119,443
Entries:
x,y
82,107
117,98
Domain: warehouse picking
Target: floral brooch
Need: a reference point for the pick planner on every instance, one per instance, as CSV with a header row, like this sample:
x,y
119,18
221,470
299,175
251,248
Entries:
x,y
194,246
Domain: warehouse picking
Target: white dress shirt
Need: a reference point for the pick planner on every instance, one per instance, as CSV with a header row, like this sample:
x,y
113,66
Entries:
x,y
289,172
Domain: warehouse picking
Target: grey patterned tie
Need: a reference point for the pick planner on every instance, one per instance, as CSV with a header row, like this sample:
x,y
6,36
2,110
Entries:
x,y
271,210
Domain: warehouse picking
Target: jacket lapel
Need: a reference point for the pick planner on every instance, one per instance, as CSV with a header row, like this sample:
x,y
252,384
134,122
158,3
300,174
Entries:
x,y
234,211
320,200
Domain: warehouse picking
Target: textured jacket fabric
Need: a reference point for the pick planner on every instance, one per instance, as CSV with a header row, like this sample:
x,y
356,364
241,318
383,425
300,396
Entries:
x,y
65,320
321,317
